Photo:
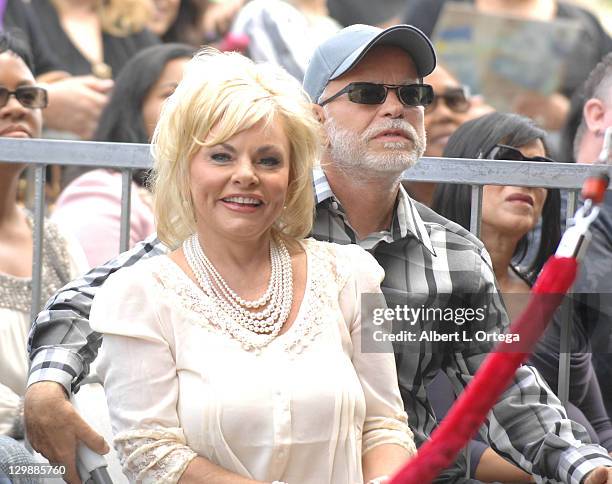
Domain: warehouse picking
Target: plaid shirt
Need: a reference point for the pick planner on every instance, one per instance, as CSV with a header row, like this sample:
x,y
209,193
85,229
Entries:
x,y
424,255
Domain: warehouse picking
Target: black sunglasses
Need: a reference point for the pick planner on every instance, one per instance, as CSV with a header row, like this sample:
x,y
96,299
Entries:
x,y
509,153
370,93
31,97
457,99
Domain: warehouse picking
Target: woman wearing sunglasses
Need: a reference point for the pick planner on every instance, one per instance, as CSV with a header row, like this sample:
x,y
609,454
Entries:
x,y
509,215
21,102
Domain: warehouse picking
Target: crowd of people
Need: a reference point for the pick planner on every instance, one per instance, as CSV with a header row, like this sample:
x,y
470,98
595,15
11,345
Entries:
x,y
231,338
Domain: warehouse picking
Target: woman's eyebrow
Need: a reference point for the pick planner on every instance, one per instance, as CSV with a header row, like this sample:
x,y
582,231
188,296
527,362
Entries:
x,y
228,147
267,148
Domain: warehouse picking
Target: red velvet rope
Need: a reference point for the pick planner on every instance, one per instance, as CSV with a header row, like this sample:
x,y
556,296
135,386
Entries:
x,y
471,408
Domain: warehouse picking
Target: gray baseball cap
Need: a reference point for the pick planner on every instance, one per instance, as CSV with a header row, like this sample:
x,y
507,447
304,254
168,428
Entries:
x,y
341,52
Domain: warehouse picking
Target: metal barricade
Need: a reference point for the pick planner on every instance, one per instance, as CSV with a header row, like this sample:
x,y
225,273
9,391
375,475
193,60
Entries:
x,y
127,157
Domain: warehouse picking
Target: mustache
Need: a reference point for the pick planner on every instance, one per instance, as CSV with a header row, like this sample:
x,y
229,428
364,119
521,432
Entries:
x,y
400,125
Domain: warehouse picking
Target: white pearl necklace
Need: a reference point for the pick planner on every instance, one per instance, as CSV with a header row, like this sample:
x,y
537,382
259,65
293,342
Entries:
x,y
262,326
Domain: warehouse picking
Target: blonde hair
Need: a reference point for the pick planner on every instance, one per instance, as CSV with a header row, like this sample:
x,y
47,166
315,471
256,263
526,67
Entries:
x,y
124,17
233,94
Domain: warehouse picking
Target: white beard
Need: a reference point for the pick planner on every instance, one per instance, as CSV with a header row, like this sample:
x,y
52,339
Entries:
x,y
349,150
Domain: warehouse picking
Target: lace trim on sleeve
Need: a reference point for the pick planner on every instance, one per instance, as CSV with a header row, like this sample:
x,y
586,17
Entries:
x,y
153,455
379,431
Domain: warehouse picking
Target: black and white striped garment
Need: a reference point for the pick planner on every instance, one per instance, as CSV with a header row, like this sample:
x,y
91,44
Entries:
x,y
425,257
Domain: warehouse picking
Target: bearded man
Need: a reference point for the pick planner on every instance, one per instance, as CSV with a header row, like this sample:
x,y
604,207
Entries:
x,y
367,86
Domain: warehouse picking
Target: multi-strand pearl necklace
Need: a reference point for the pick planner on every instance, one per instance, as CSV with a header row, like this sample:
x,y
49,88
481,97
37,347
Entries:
x,y
272,307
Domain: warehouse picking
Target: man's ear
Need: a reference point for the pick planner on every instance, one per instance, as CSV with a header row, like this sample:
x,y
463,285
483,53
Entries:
x,y
319,112
594,115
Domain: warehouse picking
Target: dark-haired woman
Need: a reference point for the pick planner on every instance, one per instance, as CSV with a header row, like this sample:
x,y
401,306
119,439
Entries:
x,y
509,214
89,207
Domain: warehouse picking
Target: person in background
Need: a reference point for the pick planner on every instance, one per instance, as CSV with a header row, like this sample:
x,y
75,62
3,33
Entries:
x,y
348,12
94,39
186,26
508,216
218,17
163,16
591,302
90,205
21,102
94,36
200,22
508,213
550,111
75,102
452,106
568,134
285,32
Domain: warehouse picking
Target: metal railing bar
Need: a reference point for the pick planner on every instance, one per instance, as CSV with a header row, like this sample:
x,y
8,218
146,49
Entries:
x,y
475,222
476,210
441,170
563,379
126,202
38,239
79,153
494,172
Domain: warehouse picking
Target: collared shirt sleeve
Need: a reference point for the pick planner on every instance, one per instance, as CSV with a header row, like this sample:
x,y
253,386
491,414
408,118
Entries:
x,y
61,343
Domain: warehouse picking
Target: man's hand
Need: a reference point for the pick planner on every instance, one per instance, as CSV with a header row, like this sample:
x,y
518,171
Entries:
x,y
601,475
54,428
75,104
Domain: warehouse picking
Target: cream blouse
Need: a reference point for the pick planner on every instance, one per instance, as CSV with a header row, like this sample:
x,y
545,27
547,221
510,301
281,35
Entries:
x,y
303,409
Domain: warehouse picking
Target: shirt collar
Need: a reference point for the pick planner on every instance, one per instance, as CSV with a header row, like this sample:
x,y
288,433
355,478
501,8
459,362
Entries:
x,y
321,186
406,219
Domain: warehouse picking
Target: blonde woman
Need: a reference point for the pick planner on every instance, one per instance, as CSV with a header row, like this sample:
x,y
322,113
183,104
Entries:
x,y
243,343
